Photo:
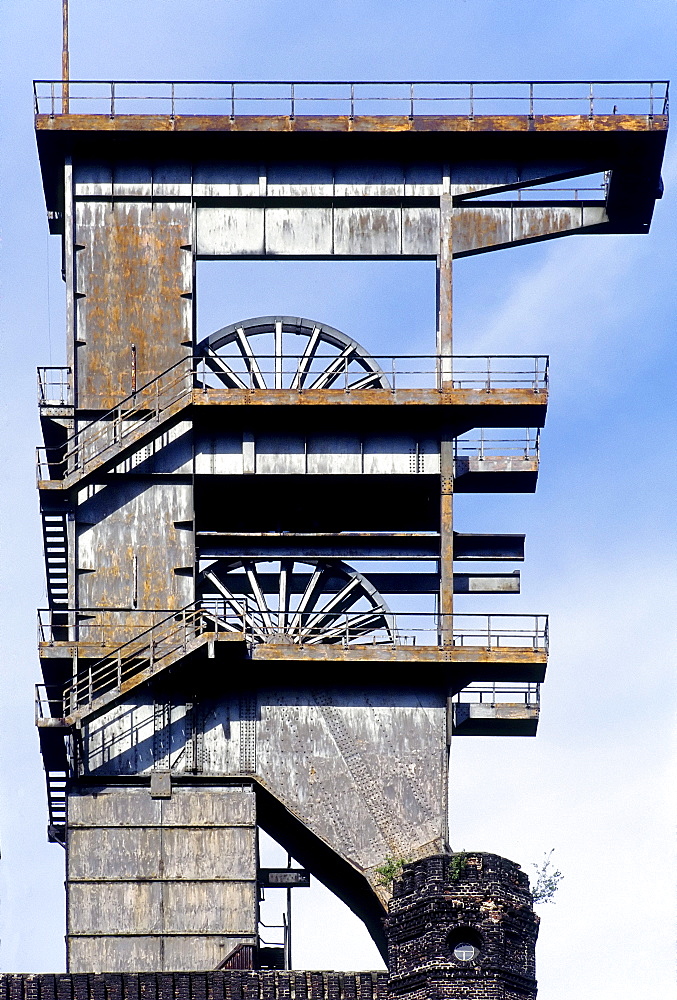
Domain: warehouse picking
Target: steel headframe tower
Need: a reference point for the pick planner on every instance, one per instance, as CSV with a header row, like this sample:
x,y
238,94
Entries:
x,y
217,652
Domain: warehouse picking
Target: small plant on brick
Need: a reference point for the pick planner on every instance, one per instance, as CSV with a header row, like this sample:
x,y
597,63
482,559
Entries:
x,y
458,863
390,870
547,880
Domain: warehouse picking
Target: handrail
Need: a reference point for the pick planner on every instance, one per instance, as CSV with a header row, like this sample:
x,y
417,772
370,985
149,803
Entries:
x,y
482,692
175,635
104,434
243,615
413,98
54,385
102,437
477,444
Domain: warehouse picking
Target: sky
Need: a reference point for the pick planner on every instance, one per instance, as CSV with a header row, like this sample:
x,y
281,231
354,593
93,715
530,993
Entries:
x,y
598,782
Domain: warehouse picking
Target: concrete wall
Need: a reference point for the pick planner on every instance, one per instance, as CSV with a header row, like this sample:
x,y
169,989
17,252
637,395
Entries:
x,y
159,883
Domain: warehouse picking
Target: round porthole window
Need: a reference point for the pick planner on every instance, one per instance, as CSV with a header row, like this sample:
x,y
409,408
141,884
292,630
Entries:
x,y
465,952
464,944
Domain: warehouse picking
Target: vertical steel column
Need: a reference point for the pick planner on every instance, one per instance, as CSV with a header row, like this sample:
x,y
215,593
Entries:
x,y
445,376
65,60
68,263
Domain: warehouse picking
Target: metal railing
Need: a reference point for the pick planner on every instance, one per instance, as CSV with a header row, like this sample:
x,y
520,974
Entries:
x,y
55,386
348,99
48,702
170,639
102,438
107,627
480,444
483,693
482,372
177,633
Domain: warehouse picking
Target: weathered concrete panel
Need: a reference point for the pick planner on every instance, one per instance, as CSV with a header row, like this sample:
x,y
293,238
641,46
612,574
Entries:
x,y
420,231
185,953
280,454
182,866
481,227
340,229
219,454
125,907
389,455
114,852
195,853
205,808
316,454
108,806
115,954
172,180
369,180
300,180
423,179
93,179
133,180
235,179
208,907
329,454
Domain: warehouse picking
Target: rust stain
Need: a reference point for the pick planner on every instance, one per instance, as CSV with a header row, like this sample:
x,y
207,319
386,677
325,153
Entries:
x,y
361,123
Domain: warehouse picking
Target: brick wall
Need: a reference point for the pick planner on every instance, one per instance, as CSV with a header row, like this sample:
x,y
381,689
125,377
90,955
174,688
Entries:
x,y
231,984
438,903
479,899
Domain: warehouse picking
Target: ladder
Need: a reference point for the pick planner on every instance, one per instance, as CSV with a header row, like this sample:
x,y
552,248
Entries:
x,y
55,538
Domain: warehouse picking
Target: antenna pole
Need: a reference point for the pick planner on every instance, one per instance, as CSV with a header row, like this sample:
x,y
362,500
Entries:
x,y
65,70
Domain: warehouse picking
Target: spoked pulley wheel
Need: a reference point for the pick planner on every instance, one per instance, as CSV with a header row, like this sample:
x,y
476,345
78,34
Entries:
x,y
296,601
287,352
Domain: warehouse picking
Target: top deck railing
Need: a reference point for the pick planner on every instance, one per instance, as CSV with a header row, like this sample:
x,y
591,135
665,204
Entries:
x,y
411,99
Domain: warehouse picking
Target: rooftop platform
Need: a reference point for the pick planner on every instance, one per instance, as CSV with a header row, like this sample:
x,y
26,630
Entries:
x,y
574,127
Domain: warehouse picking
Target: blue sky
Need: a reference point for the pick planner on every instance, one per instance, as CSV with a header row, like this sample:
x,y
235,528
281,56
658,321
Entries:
x,y
598,782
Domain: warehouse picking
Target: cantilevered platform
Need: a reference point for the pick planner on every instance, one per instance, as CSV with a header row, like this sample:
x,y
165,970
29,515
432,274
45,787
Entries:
x,y
540,132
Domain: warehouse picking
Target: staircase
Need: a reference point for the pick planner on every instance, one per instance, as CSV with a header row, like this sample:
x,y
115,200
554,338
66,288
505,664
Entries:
x,y
56,805
55,538
106,439
176,637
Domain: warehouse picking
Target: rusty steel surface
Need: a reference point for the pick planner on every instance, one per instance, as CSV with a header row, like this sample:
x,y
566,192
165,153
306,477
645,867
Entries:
x,y
343,123
133,279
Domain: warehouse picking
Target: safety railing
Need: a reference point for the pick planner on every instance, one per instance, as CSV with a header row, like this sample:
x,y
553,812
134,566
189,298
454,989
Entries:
x,y
481,372
179,632
166,641
351,99
482,693
102,438
483,444
48,702
55,386
107,627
